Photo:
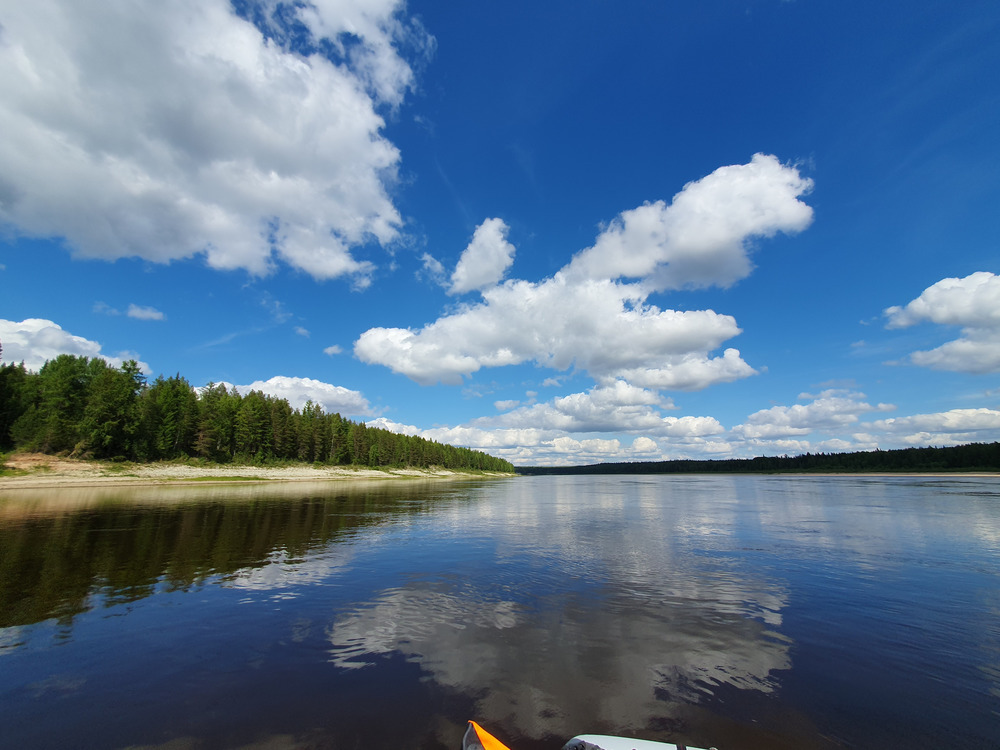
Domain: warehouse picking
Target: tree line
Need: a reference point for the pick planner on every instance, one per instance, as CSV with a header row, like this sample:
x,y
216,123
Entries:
x,y
87,408
971,457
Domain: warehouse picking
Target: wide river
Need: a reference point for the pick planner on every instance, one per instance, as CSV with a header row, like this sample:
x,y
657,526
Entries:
x,y
738,612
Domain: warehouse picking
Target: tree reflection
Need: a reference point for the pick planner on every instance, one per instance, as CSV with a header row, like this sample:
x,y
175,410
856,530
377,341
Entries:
x,y
119,549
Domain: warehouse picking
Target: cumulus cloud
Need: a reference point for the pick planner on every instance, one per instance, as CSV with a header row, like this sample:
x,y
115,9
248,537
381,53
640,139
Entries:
x,y
692,426
590,316
142,312
972,302
559,432
297,391
34,341
485,261
169,130
701,238
691,372
953,427
681,437
612,408
642,446
830,410
562,432
603,327
333,349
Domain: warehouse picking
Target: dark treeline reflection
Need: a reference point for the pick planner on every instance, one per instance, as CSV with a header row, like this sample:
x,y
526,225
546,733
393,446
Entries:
x,y
60,565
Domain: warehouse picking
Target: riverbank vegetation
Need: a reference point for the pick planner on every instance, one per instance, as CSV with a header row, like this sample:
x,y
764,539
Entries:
x,y
86,408
965,458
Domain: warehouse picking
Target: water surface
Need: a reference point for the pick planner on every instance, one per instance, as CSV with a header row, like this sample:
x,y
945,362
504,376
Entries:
x,y
740,612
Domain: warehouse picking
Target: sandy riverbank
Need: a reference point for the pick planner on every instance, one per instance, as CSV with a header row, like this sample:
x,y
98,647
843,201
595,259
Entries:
x,y
37,471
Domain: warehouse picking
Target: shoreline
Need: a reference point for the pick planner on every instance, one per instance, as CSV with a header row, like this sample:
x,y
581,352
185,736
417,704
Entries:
x,y
38,471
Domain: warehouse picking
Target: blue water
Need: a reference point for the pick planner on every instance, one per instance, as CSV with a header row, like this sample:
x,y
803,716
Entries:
x,y
735,612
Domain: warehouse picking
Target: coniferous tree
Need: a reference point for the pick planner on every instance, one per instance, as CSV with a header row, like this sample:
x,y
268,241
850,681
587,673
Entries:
x,y
110,420
17,386
85,406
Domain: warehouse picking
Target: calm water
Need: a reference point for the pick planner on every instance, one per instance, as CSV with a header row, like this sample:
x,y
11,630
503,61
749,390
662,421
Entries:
x,y
740,612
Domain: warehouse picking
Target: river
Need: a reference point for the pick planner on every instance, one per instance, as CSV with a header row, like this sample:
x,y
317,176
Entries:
x,y
740,612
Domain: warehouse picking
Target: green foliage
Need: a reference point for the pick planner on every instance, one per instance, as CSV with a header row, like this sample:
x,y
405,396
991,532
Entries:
x,y
169,419
87,407
110,415
17,389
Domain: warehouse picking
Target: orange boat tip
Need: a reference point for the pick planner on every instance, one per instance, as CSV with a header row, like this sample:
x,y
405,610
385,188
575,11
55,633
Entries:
x,y
481,739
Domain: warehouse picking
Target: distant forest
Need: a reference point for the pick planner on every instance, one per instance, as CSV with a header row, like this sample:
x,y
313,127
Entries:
x,y
87,408
973,457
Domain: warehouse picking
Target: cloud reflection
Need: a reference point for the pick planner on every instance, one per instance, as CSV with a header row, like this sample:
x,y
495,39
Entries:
x,y
591,614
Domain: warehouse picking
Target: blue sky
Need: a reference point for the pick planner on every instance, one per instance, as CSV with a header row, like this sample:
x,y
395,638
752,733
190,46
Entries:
x,y
561,232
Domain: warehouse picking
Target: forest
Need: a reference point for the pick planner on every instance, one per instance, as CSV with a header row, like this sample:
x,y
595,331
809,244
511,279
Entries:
x,y
972,457
86,408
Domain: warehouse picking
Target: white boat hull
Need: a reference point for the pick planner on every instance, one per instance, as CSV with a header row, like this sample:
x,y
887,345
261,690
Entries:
x,y
607,742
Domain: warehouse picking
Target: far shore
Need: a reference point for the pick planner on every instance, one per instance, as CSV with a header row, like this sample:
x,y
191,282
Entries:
x,y
30,471
38,471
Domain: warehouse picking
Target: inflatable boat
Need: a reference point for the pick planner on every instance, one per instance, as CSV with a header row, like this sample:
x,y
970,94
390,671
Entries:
x,y
477,738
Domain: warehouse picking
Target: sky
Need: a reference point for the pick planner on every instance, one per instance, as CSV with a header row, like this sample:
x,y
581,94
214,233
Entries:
x,y
562,233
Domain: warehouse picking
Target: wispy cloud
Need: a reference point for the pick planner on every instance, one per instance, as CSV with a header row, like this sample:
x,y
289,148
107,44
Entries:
x,y
141,312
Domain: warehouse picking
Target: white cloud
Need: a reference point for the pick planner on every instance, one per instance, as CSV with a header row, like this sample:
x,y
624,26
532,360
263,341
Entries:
x,y
560,431
700,238
485,261
829,410
642,446
602,327
387,424
105,309
174,129
944,428
333,349
586,317
433,269
692,426
124,356
333,398
618,407
972,302
34,341
506,405
551,446
563,431
691,372
304,332
141,312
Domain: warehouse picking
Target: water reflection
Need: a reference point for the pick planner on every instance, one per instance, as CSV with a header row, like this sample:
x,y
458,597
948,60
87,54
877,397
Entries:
x,y
62,553
595,614
744,612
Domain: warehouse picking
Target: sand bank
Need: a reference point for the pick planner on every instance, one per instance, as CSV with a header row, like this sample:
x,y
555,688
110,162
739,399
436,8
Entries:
x,y
38,471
